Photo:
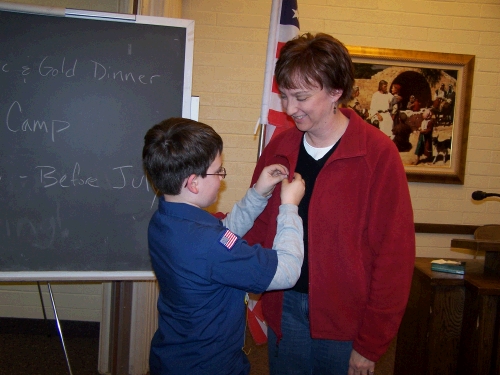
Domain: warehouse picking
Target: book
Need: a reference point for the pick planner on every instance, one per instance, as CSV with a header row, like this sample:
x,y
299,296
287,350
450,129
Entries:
x,y
457,268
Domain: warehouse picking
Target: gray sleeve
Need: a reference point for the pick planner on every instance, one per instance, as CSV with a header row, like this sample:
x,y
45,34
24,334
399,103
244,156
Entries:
x,y
289,244
244,212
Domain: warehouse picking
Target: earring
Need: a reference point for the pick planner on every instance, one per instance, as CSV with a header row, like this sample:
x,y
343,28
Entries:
x,y
335,109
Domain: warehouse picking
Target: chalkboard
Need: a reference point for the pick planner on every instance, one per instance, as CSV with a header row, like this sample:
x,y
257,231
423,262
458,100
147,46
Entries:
x,y
77,95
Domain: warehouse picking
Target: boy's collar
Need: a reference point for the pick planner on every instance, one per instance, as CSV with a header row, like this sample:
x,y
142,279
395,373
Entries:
x,y
185,211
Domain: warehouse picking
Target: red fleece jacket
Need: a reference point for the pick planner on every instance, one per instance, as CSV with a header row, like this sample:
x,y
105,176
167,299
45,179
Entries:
x,y
361,238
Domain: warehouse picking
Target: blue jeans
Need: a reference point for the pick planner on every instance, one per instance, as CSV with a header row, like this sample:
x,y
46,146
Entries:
x,y
297,353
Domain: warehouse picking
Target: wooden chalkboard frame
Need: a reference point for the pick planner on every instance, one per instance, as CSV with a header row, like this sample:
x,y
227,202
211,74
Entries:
x,y
188,25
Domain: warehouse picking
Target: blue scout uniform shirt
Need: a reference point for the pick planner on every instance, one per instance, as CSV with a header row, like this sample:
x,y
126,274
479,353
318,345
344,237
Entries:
x,y
203,273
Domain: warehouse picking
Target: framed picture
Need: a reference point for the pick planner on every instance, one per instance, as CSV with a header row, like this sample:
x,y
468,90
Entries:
x,y
421,100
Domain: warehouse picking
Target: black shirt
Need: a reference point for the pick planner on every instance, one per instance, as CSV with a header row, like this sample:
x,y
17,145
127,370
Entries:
x,y
309,169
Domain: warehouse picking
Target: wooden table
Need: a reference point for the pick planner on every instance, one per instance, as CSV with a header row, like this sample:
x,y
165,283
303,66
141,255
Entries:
x,y
479,349
490,247
429,337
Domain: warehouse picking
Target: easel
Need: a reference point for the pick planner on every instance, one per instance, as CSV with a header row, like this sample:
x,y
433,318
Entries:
x,y
56,317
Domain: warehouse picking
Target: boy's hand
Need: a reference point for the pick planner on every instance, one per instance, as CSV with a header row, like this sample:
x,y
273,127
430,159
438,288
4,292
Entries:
x,y
270,176
292,192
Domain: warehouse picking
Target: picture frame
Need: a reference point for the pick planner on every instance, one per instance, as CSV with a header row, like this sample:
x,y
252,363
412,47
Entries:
x,y
428,113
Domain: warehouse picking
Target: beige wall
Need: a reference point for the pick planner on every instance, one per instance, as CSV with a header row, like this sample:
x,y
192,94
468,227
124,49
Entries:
x,y
228,73
74,301
229,58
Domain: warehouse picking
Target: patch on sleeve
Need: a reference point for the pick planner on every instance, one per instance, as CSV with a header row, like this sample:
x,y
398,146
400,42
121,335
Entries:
x,y
228,239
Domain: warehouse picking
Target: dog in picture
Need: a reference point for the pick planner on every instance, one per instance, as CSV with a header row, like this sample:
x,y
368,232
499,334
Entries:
x,y
441,148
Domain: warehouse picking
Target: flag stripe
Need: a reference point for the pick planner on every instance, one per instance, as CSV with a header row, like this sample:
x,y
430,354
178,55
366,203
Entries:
x,y
278,117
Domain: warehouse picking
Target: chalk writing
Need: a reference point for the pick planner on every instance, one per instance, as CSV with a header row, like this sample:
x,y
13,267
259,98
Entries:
x,y
42,234
54,66
47,178
25,70
133,182
46,70
15,122
101,72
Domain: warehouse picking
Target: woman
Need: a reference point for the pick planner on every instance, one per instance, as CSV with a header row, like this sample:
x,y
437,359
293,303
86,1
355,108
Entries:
x,y
358,222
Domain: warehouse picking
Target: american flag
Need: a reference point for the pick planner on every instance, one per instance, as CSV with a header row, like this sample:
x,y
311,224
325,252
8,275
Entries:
x,y
228,239
283,26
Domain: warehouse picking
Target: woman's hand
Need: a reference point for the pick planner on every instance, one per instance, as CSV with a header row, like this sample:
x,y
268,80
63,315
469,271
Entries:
x,y
359,365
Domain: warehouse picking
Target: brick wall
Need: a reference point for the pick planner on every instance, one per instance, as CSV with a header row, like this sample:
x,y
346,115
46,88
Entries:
x,y
74,301
229,58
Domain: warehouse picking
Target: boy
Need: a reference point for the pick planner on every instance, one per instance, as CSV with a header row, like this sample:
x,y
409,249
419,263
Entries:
x,y
203,267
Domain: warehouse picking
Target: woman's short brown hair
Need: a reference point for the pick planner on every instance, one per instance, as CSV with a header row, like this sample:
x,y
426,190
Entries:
x,y
311,60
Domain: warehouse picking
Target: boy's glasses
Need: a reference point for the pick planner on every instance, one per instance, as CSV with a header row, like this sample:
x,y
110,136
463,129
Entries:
x,y
221,172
